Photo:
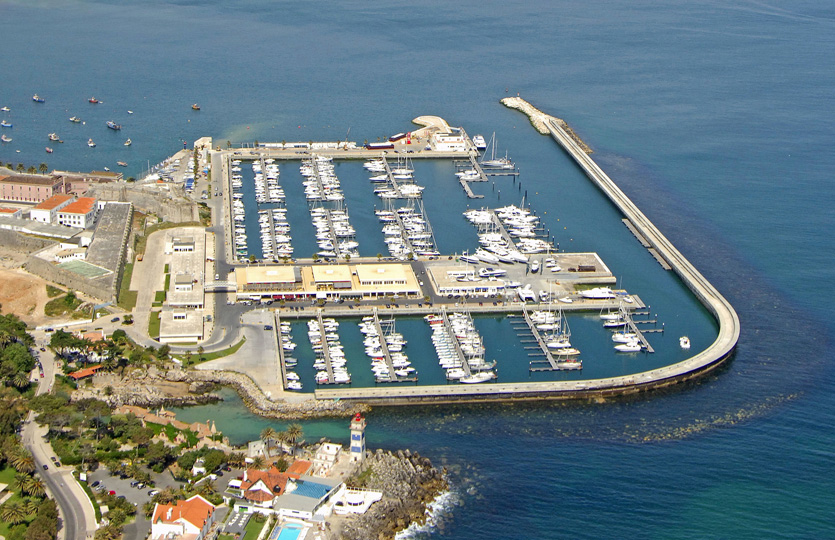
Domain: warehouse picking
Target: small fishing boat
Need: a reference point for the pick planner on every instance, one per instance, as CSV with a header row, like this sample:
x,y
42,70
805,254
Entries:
x,y
38,99
53,137
195,107
121,164
128,142
479,142
5,109
90,143
75,119
130,112
93,100
5,124
48,150
113,125
684,342
4,138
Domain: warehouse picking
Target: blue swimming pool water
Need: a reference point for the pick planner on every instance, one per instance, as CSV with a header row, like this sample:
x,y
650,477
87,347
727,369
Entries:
x,y
289,532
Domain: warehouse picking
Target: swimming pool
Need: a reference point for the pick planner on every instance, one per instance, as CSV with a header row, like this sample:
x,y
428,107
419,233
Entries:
x,y
290,531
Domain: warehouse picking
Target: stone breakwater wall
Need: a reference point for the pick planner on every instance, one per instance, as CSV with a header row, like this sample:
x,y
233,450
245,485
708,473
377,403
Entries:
x,y
539,120
409,484
257,402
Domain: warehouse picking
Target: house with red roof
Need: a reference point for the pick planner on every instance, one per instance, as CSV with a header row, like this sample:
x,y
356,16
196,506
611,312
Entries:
x,y
182,520
84,373
79,213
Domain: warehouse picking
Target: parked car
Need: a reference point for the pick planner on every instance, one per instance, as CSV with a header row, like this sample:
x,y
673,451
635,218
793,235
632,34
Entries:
x,y
152,492
45,466
114,319
111,492
42,349
96,484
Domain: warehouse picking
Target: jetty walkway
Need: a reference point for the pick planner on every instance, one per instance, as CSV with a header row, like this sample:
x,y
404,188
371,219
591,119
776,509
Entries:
x,y
693,367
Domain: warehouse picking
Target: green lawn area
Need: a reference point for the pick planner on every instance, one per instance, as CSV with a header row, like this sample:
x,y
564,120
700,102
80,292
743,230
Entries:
x,y
153,325
127,297
165,271
7,475
60,306
159,298
195,359
253,529
52,292
167,282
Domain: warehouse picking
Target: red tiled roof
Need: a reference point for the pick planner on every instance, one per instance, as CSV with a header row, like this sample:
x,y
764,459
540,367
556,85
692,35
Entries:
x,y
195,510
52,202
83,205
273,479
4,210
298,468
86,372
29,179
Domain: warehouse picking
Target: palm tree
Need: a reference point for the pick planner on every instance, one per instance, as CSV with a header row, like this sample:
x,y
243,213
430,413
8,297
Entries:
x,y
20,167
43,167
236,459
32,169
23,461
108,532
20,380
31,506
257,463
294,434
283,439
13,513
206,488
20,482
108,364
268,436
35,487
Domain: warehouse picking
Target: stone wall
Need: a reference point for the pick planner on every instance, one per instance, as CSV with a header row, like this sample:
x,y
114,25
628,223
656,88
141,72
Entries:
x,y
22,243
71,280
169,206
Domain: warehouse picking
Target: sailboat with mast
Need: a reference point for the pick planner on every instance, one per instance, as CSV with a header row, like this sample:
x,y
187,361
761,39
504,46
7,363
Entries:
x,y
495,162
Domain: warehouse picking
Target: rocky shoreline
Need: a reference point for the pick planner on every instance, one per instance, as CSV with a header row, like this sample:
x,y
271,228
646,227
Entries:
x,y
177,387
538,120
409,483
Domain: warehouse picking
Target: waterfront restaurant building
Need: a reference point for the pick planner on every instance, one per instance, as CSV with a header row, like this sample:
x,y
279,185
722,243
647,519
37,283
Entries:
x,y
29,188
326,282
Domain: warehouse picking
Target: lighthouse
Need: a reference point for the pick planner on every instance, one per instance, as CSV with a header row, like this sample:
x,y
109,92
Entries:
x,y
357,438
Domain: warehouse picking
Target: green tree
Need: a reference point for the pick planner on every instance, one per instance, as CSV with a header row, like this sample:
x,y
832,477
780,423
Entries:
x,y
12,512
295,434
257,462
32,169
20,380
20,167
35,487
22,461
268,436
43,167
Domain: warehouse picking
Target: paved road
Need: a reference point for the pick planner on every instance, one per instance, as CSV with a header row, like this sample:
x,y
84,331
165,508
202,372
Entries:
x,y
77,514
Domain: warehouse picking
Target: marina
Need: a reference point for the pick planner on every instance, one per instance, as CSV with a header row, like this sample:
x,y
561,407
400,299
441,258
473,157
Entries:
x,y
383,345
557,358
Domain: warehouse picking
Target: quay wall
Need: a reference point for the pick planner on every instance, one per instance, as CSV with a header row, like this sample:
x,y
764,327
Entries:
x,y
696,366
170,207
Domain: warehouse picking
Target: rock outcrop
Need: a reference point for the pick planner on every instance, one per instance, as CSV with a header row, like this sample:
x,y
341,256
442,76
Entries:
x,y
409,484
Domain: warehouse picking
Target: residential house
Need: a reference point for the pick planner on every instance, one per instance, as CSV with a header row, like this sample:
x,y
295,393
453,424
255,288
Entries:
x,y
182,520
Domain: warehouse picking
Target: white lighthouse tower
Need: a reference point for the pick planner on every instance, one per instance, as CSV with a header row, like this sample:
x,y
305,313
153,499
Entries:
x,y
357,438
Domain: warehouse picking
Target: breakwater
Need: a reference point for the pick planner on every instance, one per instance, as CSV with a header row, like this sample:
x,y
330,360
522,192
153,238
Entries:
x,y
539,120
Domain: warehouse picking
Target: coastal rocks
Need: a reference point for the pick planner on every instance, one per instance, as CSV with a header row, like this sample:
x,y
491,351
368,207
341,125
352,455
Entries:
x,y
257,402
409,484
539,120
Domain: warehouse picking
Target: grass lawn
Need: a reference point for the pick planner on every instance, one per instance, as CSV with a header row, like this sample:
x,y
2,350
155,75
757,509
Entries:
x,y
195,359
52,292
167,282
253,529
7,475
60,306
153,325
127,297
159,297
165,271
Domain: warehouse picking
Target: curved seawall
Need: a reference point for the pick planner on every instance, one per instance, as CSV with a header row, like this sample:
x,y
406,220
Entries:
x,y
695,366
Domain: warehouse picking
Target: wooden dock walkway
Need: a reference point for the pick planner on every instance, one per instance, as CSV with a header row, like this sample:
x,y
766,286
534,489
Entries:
x,y
553,364
465,365
282,367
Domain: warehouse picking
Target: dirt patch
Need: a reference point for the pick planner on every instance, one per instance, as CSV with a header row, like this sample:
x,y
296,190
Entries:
x,y
24,295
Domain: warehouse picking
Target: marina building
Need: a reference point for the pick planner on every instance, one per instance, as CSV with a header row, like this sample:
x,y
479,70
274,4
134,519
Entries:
x,y
79,213
326,282
29,188
451,141
47,211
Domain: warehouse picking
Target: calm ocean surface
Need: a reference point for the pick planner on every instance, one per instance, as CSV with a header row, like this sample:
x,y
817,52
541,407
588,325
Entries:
x,y
714,118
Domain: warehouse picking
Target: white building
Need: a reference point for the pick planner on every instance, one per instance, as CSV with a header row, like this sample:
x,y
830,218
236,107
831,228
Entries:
x,y
326,457
47,211
189,519
79,213
452,141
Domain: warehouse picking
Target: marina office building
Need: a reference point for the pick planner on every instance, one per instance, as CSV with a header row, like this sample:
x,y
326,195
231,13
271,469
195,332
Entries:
x,y
327,282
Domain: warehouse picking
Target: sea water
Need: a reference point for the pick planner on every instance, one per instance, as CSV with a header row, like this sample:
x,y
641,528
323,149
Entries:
x,y
713,117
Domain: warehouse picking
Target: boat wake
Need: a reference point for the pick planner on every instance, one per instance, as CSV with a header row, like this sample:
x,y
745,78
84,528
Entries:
x,y
436,512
